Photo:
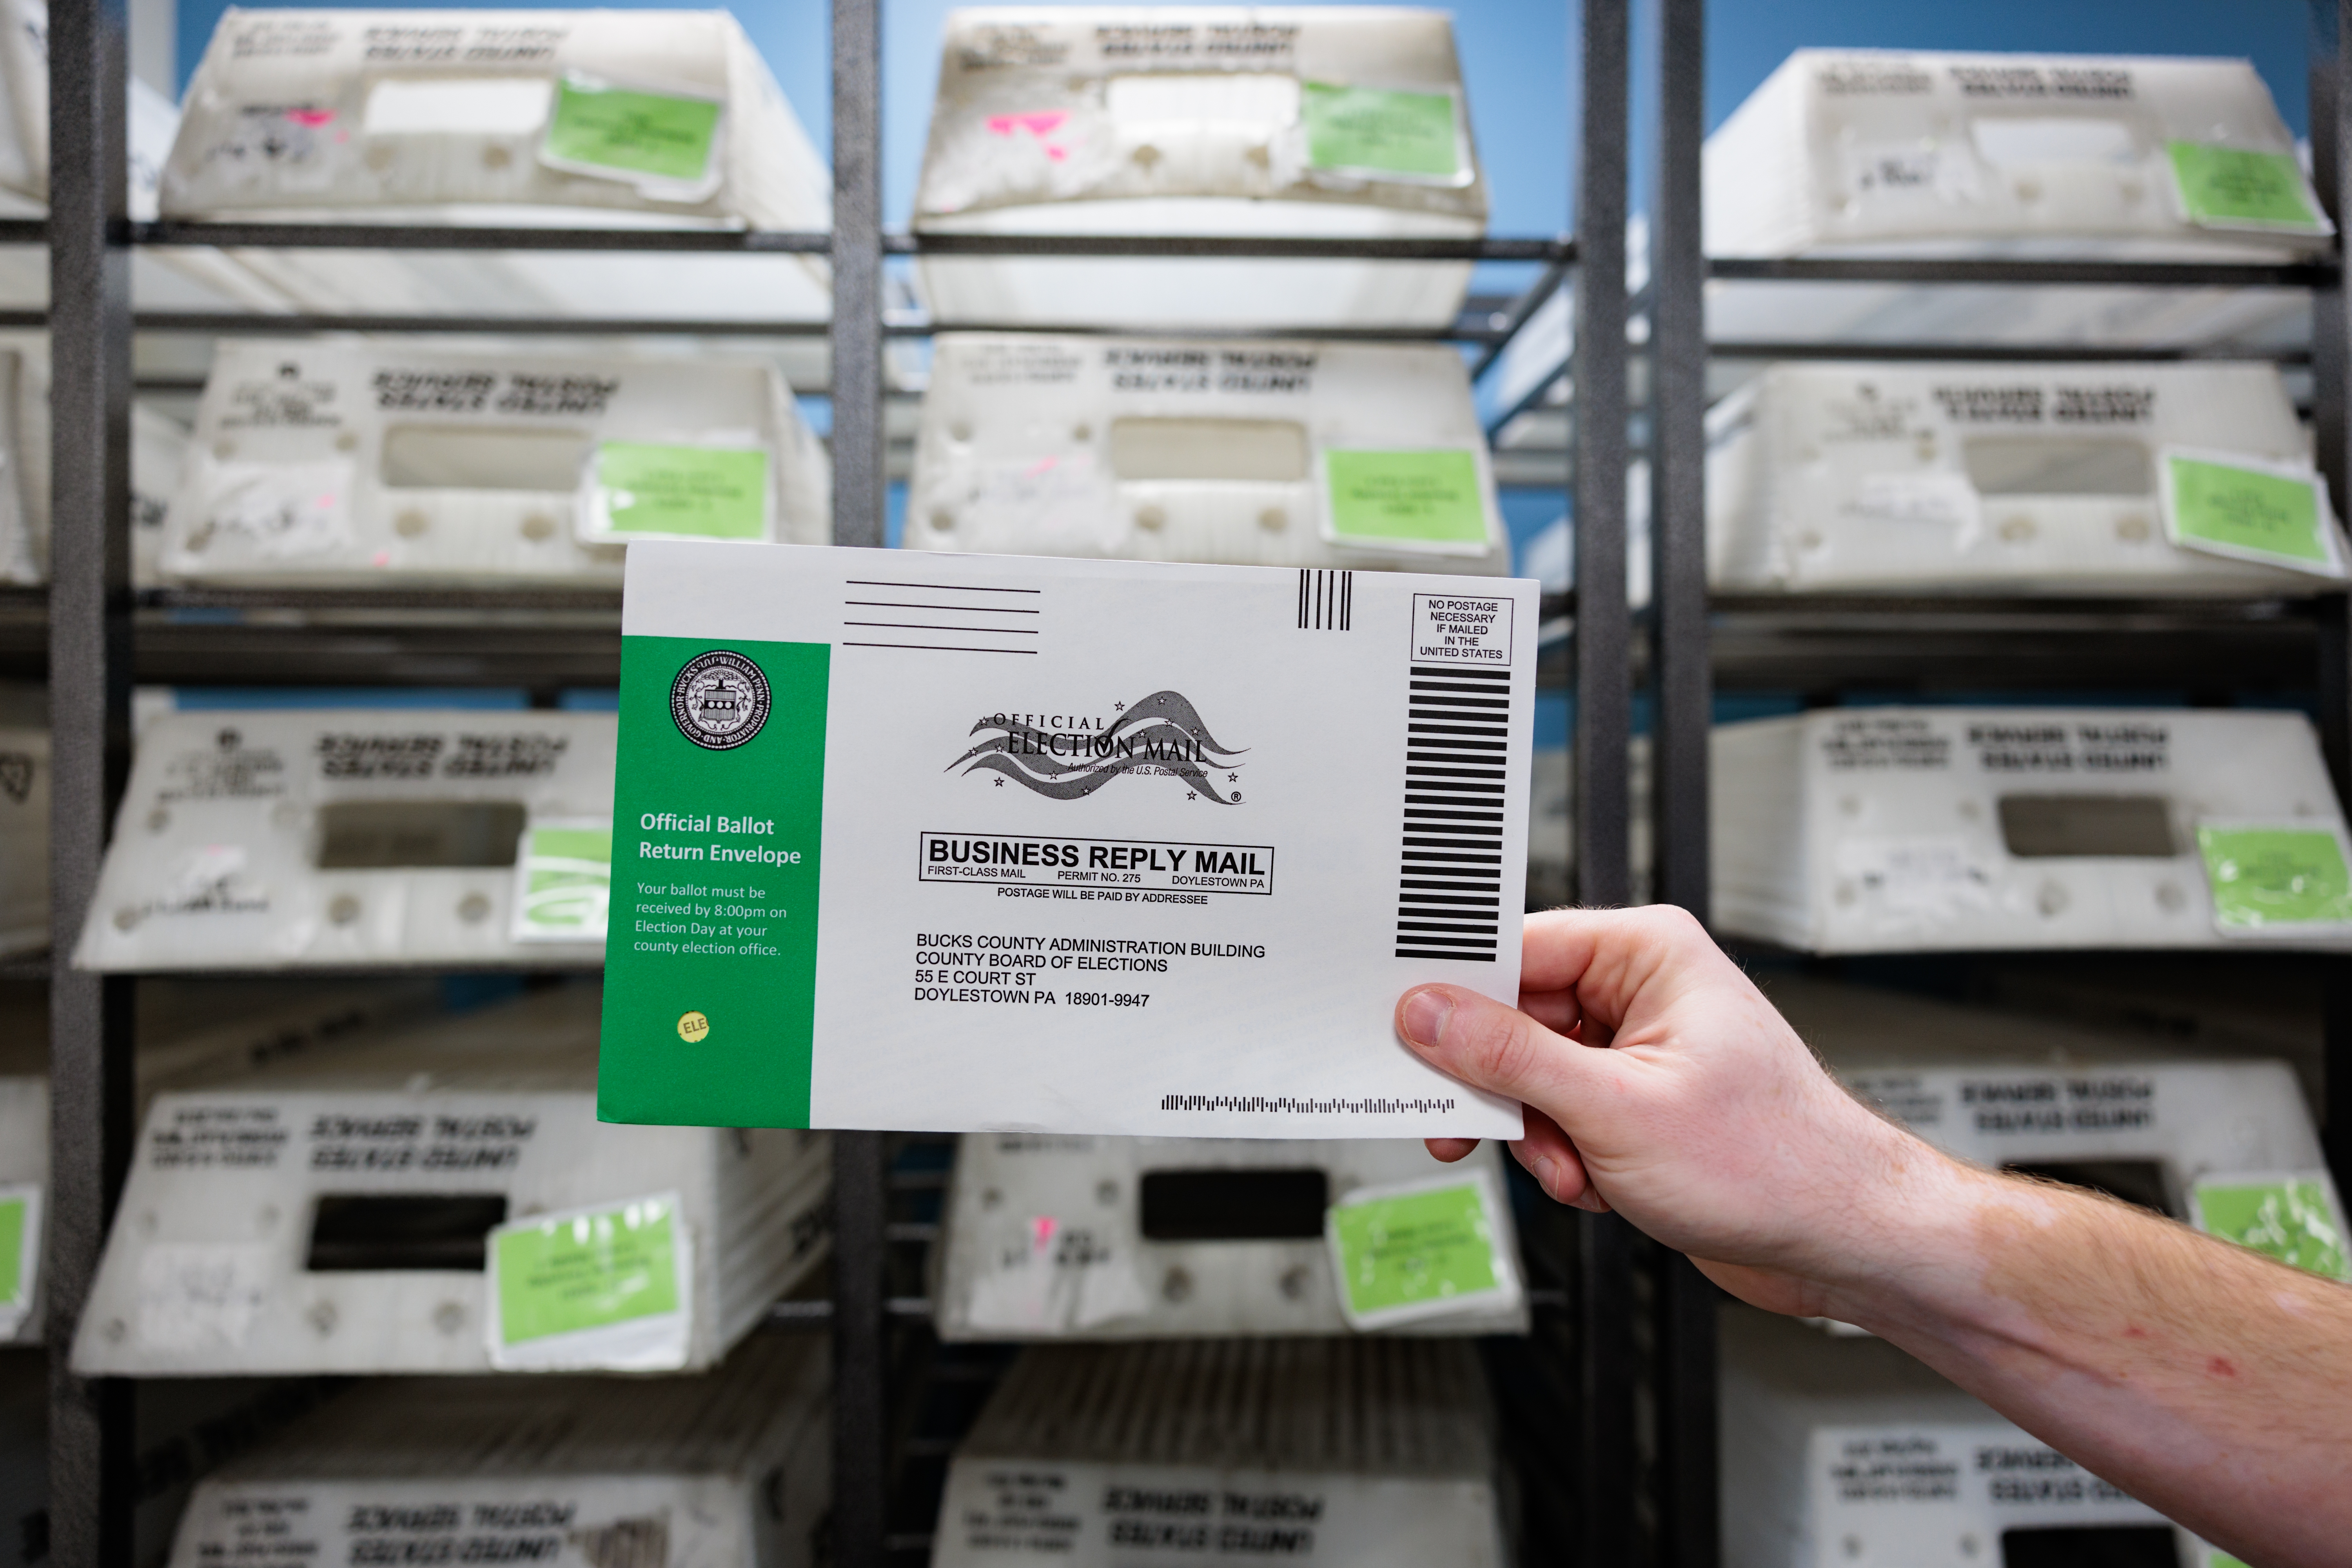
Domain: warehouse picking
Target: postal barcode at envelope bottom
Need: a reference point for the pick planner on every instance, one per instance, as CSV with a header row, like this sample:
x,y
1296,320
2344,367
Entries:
x,y
1259,1104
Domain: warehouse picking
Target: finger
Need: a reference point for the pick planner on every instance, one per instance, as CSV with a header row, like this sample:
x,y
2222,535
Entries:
x,y
1555,1010
1607,956
1551,1159
1451,1149
1502,1050
1557,947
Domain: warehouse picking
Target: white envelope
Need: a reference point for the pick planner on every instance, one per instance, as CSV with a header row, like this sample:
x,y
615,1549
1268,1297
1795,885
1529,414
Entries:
x,y
977,843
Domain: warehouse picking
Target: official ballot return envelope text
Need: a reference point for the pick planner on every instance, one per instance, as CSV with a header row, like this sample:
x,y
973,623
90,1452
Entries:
x,y
982,844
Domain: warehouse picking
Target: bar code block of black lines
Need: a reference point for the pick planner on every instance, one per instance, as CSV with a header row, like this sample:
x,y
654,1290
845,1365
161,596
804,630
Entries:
x,y
1457,738
1327,600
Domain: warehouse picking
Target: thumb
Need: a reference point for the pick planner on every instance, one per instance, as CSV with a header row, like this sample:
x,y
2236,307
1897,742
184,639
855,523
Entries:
x,y
1502,1050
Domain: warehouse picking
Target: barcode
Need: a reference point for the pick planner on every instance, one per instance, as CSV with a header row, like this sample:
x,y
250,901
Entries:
x,y
1327,600
1450,883
1375,1105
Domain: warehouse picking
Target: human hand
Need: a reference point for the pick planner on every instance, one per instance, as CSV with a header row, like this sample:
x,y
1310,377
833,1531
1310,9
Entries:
x,y
1660,1083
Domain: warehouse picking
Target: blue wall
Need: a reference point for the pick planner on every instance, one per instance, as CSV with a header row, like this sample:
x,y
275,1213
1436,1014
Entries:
x,y
1516,54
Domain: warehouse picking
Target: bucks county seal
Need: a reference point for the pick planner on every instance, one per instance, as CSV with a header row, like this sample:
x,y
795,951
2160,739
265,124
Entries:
x,y
720,700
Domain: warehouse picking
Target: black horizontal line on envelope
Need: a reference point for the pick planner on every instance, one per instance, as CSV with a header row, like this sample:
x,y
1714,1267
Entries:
x,y
944,587
940,648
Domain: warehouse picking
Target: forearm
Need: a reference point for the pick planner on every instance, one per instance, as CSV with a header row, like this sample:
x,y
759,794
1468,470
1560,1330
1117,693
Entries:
x,y
2210,1382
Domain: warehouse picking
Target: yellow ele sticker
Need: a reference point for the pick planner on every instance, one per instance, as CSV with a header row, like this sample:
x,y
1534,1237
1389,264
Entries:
x,y
693,1027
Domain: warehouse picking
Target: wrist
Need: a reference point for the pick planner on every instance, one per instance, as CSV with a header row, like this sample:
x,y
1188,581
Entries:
x,y
1911,1251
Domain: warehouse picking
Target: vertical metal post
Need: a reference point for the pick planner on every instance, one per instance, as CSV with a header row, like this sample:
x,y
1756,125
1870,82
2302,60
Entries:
x,y
861,1444
1608,1466
858,480
860,1431
1608,1474
2331,418
1678,463
1604,624
91,1131
1684,1303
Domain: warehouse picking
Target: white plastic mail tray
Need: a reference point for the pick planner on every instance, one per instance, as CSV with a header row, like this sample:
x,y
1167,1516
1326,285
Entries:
x,y
1886,152
620,118
23,471
1375,1453
2173,1132
23,840
1242,452
351,1212
733,1466
190,1031
1901,829
1070,1237
25,107
24,1176
1324,123
271,840
157,446
357,464
1846,1453
2025,478
188,278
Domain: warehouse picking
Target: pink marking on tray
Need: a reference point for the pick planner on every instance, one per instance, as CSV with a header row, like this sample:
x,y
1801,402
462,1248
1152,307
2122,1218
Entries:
x,y
311,116
1040,123
1041,1229
1042,466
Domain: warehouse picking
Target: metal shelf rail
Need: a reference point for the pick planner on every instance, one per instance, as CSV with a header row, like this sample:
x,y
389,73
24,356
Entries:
x,y
96,631
1682,659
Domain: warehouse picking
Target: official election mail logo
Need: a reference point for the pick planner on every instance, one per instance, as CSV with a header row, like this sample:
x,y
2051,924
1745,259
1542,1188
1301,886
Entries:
x,y
720,700
1067,756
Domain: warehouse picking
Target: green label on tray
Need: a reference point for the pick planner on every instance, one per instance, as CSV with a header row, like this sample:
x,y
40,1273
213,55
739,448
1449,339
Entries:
x,y
712,493
2288,1220
1380,132
648,133
2268,876
13,1211
567,881
587,1271
2247,512
2234,186
710,970
1419,1247
1405,498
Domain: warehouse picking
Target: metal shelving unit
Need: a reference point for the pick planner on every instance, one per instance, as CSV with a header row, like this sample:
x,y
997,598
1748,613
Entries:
x,y
1635,1326
1822,644
89,637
